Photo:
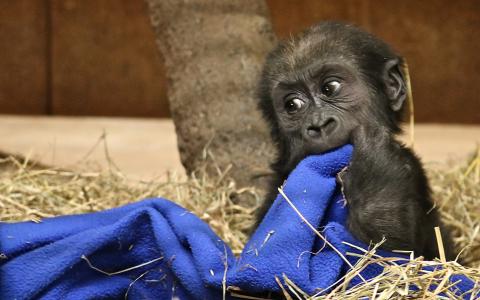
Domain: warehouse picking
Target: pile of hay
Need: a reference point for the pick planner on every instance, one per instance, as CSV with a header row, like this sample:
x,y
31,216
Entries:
x,y
31,193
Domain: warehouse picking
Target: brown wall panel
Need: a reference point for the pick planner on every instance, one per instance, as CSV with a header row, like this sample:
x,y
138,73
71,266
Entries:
x,y
439,38
441,41
22,59
105,61
290,17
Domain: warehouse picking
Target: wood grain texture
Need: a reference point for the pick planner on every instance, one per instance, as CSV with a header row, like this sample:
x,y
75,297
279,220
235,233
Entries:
x,y
142,148
439,38
440,41
105,61
65,141
22,60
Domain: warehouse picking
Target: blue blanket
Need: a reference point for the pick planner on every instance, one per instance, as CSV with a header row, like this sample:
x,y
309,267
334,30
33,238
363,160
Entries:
x,y
155,249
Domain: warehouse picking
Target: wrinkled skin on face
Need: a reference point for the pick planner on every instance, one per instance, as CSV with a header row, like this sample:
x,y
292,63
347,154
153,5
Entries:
x,y
338,77
313,110
336,84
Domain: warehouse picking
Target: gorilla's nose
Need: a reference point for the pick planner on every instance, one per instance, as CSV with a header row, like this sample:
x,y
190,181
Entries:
x,y
324,128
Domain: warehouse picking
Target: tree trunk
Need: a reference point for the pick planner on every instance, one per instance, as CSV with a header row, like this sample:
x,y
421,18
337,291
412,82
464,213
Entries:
x,y
213,53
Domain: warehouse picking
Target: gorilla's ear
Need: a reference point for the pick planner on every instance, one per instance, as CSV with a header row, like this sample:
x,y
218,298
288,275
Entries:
x,y
395,87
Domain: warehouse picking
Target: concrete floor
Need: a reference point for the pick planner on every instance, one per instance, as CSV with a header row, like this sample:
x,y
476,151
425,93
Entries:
x,y
146,148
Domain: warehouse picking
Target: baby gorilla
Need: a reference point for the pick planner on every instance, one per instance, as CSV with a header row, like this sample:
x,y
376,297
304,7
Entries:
x,y
336,84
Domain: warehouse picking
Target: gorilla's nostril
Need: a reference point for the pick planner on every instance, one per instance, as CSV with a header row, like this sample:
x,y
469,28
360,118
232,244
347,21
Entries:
x,y
325,128
329,125
314,131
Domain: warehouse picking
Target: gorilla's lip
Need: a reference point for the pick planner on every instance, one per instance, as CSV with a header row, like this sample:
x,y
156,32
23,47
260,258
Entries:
x,y
319,148
323,145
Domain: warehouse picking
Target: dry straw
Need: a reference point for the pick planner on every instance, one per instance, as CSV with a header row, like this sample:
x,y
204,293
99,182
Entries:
x,y
31,193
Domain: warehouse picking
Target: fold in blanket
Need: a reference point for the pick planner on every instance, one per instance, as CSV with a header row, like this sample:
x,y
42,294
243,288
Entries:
x,y
155,249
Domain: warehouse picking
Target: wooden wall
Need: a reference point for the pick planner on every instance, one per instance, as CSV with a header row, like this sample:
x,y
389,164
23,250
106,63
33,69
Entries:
x,y
80,57
104,60
23,64
439,38
98,57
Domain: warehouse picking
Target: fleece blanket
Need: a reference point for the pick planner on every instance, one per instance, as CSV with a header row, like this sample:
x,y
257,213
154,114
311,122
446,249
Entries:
x,y
155,249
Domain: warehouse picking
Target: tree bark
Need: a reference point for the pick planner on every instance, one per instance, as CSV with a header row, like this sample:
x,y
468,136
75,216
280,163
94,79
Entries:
x,y
213,52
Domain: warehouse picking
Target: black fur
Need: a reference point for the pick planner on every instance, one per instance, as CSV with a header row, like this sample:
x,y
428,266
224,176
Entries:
x,y
385,185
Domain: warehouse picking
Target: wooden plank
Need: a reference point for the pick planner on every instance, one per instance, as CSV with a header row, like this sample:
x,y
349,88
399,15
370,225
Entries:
x,y
105,61
23,57
291,17
438,37
141,148
144,148
440,41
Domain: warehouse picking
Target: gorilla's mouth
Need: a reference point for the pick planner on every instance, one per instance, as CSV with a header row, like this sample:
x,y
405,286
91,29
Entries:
x,y
325,143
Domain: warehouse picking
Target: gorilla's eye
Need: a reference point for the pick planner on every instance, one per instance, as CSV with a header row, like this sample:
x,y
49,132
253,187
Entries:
x,y
330,88
293,105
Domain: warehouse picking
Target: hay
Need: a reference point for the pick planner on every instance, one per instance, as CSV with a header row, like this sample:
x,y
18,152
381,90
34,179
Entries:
x,y
405,280
30,193
457,192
